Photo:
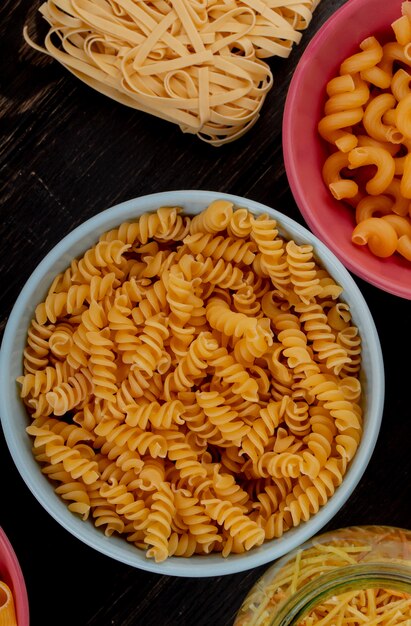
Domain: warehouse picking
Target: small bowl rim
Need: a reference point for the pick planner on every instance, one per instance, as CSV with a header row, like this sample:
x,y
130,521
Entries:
x,y
319,227
115,547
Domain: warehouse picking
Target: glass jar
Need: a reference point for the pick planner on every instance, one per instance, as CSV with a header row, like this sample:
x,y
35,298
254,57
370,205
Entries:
x,y
357,571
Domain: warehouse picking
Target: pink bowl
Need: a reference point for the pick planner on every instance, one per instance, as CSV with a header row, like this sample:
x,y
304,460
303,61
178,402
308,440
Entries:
x,y
304,151
11,574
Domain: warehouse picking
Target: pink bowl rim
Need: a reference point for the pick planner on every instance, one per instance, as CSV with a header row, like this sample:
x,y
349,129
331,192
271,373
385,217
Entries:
x,y
16,579
345,12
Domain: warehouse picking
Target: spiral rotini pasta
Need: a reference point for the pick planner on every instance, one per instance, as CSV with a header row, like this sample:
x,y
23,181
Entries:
x,y
193,383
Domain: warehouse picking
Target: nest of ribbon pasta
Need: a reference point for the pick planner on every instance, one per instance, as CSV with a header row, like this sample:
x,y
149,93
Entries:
x,y
196,64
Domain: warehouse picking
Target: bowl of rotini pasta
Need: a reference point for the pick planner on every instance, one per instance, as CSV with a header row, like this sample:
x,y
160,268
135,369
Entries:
x,y
346,134
192,383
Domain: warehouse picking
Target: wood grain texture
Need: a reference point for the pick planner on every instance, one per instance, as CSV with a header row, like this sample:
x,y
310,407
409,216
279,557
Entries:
x,y
67,153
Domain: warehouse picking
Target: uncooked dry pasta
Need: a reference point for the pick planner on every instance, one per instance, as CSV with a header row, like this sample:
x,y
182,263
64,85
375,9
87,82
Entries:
x,y
196,64
167,410
367,122
342,570
7,609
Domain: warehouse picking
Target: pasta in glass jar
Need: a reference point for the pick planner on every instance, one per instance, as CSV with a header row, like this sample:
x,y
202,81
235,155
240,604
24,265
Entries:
x,y
355,575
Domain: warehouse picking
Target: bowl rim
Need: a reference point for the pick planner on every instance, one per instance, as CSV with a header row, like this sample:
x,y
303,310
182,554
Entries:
x,y
346,12
10,565
114,547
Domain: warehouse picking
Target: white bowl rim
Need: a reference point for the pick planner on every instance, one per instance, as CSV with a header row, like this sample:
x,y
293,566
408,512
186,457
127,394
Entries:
x,y
116,547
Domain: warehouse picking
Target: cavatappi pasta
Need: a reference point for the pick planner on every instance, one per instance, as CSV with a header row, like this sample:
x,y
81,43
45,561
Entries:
x,y
322,567
193,382
7,609
366,121
196,64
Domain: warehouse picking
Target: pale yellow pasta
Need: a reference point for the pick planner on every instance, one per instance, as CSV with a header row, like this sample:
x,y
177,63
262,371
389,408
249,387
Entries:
x,y
172,402
199,66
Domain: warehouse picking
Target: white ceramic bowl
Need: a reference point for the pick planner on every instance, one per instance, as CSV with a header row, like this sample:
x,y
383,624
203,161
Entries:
x,y
14,417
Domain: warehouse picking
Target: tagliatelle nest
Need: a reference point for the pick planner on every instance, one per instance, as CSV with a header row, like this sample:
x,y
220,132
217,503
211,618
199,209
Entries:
x,y
197,64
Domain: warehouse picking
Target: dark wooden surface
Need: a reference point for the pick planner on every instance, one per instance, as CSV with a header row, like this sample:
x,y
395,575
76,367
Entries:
x,y
66,153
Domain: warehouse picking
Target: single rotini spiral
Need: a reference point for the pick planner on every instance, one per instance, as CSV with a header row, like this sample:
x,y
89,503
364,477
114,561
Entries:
x,y
42,381
35,354
93,319
192,366
193,513
229,425
120,463
329,393
135,385
256,440
349,338
77,460
235,522
324,345
102,365
185,458
225,487
213,219
297,418
70,394
61,341
134,438
226,321
158,523
232,372
303,274
103,254
240,224
106,516
126,503
149,350
158,415
246,301
228,248
123,327
221,273
76,493
153,301
151,474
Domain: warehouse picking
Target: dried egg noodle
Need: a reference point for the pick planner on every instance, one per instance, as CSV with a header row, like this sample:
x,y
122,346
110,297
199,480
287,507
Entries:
x,y
196,64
